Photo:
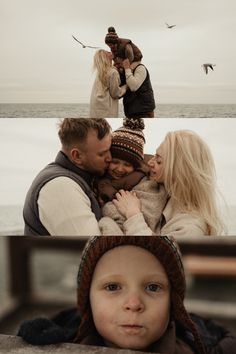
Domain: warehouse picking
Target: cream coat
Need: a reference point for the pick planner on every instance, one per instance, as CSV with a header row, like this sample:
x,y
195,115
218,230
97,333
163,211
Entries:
x,y
176,224
104,101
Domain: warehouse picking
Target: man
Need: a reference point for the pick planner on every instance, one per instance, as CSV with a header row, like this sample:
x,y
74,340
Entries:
x,y
60,200
138,101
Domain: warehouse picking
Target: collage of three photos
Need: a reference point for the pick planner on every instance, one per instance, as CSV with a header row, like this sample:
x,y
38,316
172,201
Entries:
x,y
118,201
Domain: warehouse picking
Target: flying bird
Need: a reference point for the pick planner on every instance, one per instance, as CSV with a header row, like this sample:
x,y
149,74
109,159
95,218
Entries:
x,y
83,45
208,65
170,26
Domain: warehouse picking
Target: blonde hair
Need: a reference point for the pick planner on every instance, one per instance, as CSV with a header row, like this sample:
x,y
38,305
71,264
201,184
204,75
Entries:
x,y
190,178
102,64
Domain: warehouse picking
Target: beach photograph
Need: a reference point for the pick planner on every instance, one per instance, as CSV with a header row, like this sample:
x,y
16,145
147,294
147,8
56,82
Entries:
x,y
29,144
48,49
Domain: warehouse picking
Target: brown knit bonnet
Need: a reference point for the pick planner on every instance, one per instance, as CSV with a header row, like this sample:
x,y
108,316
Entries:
x,y
111,36
163,248
128,141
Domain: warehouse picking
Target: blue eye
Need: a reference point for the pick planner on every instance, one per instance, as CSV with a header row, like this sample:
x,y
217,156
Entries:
x,y
112,287
153,287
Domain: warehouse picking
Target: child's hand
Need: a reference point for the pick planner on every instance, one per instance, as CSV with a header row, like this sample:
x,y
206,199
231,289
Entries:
x,y
127,203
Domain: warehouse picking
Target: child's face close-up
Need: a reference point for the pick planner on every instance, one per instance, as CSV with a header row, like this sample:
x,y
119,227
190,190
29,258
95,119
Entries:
x,y
119,168
130,298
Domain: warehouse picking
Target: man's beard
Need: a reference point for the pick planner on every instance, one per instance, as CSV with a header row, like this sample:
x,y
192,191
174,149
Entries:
x,y
93,171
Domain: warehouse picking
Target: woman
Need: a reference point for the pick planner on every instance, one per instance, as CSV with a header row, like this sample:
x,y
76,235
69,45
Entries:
x,y
184,164
106,91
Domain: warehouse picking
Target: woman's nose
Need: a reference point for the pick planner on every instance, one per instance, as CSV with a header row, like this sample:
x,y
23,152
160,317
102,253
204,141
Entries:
x,y
150,162
134,303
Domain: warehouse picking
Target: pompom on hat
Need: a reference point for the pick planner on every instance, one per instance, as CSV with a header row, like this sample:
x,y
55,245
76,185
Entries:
x,y
111,36
128,141
164,249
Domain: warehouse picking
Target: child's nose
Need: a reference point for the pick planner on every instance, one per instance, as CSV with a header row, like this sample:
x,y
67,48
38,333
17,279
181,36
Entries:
x,y
134,303
120,168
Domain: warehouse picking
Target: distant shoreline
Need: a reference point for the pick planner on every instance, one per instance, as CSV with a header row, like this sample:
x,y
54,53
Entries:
x,y
75,110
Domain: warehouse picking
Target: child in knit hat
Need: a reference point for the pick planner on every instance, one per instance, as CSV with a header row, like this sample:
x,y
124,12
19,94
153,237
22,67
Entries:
x,y
127,167
121,47
128,171
131,295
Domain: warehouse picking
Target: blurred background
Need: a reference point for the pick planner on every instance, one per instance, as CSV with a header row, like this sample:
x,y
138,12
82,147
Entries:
x,y
38,277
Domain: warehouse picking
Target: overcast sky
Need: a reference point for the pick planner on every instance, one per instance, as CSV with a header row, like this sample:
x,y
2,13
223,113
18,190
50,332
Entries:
x,y
40,62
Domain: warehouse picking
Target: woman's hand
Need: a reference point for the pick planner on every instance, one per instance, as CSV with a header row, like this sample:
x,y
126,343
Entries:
x,y
127,203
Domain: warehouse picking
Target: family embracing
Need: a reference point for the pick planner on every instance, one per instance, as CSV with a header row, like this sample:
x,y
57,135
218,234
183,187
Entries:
x,y
120,73
101,182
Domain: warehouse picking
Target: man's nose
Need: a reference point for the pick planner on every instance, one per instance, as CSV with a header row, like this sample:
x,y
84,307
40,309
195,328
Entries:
x,y
108,157
134,303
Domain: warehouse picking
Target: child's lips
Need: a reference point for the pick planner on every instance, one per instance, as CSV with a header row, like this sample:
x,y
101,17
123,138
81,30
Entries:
x,y
132,328
118,175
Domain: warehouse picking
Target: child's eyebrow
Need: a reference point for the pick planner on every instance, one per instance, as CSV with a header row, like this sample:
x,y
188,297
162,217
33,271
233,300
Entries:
x,y
147,278
156,276
111,275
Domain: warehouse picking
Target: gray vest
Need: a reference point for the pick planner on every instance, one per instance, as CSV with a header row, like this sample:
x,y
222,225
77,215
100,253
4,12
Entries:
x,y
61,167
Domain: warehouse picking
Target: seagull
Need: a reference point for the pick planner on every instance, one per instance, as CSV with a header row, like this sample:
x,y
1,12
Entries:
x,y
170,26
83,45
208,65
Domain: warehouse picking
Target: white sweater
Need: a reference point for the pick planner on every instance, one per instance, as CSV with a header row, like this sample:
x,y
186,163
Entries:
x,y
65,210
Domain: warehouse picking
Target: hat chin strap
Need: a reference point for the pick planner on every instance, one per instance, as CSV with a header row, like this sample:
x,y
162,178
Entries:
x,y
181,315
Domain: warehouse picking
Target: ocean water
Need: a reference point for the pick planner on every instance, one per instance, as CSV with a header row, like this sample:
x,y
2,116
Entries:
x,y
11,220
12,223
82,110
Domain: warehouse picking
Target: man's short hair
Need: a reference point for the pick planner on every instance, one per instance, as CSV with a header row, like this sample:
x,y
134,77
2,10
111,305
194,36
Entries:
x,y
75,130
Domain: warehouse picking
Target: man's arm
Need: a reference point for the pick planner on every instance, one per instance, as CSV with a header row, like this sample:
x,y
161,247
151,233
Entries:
x,y
65,210
134,80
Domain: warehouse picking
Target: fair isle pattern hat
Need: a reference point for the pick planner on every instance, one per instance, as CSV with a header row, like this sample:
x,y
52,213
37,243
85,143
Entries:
x,y
111,36
128,141
164,248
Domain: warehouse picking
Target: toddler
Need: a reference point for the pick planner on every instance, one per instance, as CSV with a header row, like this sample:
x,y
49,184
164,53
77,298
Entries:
x,y
131,296
128,170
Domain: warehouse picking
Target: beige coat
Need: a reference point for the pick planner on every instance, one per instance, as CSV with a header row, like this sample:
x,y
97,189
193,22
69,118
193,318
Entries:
x,y
176,224
157,216
104,101
153,199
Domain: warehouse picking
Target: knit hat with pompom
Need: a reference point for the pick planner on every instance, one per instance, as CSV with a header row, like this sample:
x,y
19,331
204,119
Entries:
x,y
128,141
111,36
